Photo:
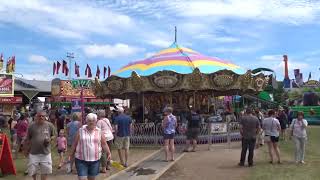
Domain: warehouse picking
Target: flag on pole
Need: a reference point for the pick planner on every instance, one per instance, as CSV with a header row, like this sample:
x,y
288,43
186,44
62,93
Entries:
x,y
109,71
66,71
88,71
104,72
64,65
76,69
58,67
98,72
10,65
13,64
309,76
1,61
54,68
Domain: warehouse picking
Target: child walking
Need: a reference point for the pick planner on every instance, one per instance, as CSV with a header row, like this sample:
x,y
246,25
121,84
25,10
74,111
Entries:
x,y
62,146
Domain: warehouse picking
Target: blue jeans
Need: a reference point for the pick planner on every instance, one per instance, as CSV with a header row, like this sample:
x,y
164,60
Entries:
x,y
87,168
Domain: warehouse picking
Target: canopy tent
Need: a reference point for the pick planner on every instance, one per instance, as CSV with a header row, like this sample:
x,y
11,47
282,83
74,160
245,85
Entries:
x,y
177,59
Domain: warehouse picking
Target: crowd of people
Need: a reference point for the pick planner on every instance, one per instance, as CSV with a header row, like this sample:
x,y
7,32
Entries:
x,y
257,128
86,143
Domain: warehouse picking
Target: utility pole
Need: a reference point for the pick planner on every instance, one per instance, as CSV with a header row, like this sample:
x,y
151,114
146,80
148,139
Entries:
x,y
70,56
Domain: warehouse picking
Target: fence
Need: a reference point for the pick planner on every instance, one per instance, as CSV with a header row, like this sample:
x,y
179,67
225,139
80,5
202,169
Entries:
x,y
150,134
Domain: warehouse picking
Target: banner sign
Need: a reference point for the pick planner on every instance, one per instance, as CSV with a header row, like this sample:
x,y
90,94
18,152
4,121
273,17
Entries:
x,y
218,128
72,89
6,85
11,100
76,105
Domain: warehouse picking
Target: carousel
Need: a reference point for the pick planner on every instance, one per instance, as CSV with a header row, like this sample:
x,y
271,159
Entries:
x,y
178,77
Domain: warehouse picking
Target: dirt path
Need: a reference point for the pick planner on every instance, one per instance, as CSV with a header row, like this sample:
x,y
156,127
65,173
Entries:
x,y
219,163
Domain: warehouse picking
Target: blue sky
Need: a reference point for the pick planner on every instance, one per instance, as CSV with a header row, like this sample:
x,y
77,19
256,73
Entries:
x,y
249,33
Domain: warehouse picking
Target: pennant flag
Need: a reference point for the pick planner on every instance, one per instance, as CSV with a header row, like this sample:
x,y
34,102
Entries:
x,y
309,76
104,72
98,72
9,65
88,71
109,71
58,67
64,65
13,64
66,71
54,68
76,69
1,61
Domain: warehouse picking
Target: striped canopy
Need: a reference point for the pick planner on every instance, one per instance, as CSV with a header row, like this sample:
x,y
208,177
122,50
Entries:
x,y
178,59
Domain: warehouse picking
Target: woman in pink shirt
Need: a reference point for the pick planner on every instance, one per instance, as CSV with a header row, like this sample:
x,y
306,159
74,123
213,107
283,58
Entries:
x,y
87,147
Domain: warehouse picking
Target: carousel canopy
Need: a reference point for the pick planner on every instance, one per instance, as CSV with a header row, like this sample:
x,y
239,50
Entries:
x,y
178,59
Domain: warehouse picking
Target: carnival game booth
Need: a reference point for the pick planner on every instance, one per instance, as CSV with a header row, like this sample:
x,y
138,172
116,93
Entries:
x,y
178,77
65,94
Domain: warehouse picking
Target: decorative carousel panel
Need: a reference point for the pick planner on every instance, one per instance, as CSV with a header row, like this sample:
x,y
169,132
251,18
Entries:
x,y
260,82
246,80
166,80
223,80
116,85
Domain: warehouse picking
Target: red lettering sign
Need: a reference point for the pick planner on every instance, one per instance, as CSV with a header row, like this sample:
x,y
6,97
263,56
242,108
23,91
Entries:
x,y
11,100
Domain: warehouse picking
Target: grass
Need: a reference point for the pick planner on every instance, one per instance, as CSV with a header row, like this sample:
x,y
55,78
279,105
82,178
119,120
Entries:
x,y
289,170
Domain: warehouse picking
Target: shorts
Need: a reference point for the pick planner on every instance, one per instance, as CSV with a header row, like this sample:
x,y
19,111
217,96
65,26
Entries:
x,y
122,142
272,139
168,136
61,151
87,168
39,164
193,133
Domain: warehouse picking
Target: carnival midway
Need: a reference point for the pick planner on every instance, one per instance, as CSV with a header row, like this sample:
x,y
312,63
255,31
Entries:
x,y
175,109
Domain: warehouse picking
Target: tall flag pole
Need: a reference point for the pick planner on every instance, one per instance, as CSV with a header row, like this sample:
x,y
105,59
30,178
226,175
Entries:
x,y
88,71
8,67
13,62
76,69
64,64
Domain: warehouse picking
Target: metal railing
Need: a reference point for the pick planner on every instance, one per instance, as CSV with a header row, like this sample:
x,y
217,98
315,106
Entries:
x,y
151,134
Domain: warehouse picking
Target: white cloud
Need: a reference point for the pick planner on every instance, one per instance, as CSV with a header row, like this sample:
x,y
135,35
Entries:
x,y
42,76
64,19
110,51
150,54
161,43
276,57
235,49
272,10
38,59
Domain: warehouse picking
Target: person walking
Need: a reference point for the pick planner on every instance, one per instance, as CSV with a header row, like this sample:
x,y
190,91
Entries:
x,y
86,149
22,128
72,129
123,126
106,129
283,119
38,146
62,147
194,121
261,135
271,127
249,128
169,125
299,135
